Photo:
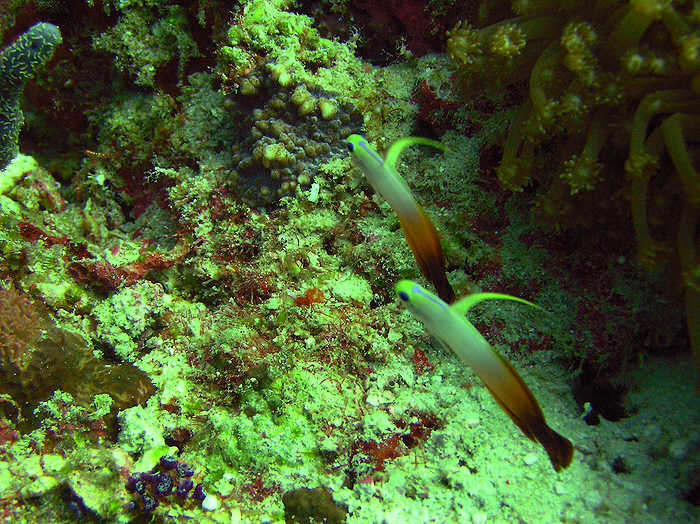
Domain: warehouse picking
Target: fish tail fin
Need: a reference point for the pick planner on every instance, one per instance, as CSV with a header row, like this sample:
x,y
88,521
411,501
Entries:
x,y
521,406
424,241
559,448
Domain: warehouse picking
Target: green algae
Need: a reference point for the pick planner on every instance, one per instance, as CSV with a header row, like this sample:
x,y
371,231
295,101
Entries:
x,y
126,315
143,40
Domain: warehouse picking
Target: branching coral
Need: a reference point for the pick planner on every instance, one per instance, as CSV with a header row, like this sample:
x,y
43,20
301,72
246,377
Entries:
x,y
18,63
599,77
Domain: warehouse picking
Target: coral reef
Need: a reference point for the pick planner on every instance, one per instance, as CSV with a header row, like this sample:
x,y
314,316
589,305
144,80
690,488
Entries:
x,y
191,333
19,62
599,79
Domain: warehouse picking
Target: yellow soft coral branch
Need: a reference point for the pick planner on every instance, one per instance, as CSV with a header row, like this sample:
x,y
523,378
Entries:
x,y
690,273
672,132
666,101
541,77
582,171
510,46
635,19
515,169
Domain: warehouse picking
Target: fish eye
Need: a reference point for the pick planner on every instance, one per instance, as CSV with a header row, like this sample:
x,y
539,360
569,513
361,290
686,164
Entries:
x,y
403,296
350,146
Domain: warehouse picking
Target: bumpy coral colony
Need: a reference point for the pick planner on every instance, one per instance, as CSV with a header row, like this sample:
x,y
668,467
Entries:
x,y
291,132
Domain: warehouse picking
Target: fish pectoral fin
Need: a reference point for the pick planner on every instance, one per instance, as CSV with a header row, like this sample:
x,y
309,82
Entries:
x,y
395,150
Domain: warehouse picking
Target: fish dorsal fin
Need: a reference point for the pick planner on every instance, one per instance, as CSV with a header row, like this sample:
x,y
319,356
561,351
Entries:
x,y
395,150
463,304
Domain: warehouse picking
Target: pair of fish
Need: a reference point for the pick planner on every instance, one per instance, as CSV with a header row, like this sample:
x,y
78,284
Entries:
x,y
448,323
